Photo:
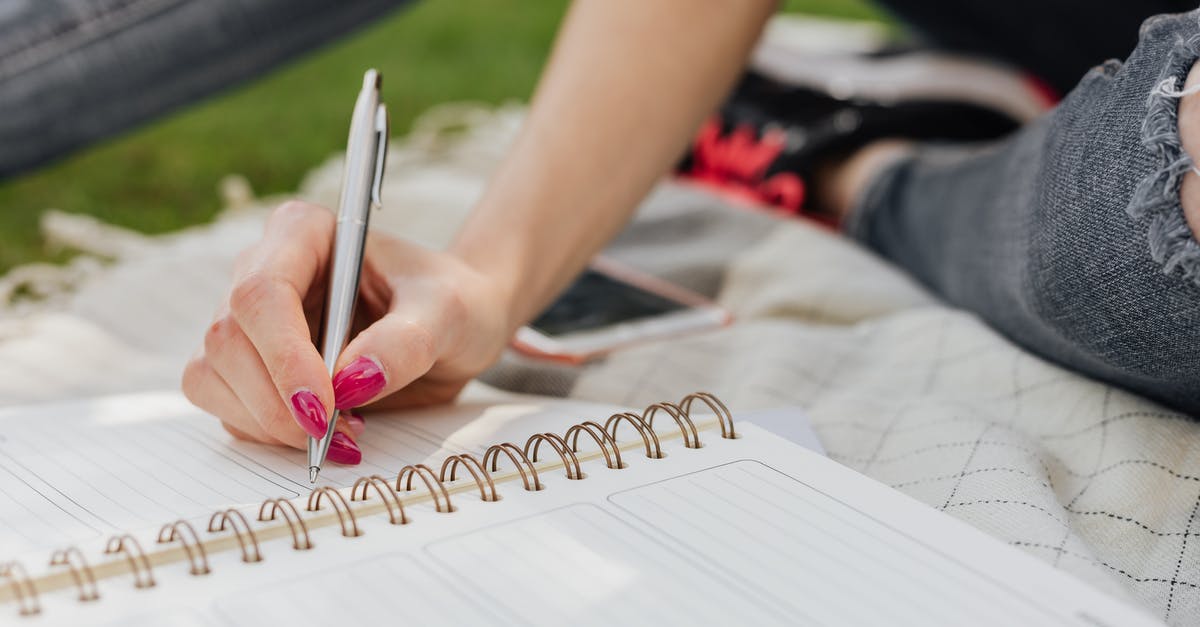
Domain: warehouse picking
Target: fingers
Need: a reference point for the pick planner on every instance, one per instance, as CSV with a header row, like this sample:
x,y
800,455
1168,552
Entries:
x,y
295,244
205,388
354,423
343,450
359,382
385,357
232,356
262,373
259,370
402,345
237,433
267,303
208,391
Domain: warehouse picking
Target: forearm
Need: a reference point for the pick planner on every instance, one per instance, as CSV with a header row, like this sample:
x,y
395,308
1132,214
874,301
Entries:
x,y
628,83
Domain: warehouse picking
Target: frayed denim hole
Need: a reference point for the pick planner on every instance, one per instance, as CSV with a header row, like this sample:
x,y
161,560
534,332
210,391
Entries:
x,y
1151,22
1100,74
1109,68
1156,197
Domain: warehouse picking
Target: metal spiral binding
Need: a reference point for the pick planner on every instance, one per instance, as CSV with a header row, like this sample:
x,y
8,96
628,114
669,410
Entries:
x,y
603,440
691,438
483,478
171,532
648,435
441,496
291,516
81,573
232,517
724,416
481,469
385,492
143,576
491,457
23,588
569,459
340,507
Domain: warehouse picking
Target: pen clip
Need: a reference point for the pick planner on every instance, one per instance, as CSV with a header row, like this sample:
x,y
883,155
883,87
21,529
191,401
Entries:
x,y
381,146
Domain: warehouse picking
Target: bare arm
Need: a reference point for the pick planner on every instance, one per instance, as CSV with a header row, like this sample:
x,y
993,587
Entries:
x,y
628,82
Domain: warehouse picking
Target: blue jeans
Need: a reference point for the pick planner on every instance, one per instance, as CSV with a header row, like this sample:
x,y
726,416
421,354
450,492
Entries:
x,y
76,71
1068,236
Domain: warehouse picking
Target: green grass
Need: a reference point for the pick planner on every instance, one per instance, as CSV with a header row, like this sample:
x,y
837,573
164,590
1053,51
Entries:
x,y
164,176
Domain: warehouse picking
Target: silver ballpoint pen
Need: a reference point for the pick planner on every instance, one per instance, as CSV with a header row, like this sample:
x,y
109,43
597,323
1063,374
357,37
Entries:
x,y
362,182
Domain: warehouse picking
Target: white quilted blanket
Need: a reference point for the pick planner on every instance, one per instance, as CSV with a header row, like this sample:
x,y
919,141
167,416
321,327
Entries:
x,y
917,395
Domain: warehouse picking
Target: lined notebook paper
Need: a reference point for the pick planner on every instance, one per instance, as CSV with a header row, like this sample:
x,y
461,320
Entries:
x,y
752,530
74,471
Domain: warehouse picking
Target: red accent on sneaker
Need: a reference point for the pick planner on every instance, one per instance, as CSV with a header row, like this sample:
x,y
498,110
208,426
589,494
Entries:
x,y
783,190
737,163
1046,94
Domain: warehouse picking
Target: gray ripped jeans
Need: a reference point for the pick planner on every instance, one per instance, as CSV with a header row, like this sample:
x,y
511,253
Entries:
x,y
1068,236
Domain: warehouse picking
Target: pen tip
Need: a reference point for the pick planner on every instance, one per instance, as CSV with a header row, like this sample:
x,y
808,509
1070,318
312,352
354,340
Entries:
x,y
313,471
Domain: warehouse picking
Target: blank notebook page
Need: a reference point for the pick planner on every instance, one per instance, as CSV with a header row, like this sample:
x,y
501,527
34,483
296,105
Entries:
x,y
755,530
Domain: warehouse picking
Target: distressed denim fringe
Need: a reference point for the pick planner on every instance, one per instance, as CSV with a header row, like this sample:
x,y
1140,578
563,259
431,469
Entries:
x,y
1157,196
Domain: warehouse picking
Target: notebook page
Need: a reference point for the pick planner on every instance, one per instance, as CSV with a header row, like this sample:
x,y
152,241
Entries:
x,y
749,531
75,471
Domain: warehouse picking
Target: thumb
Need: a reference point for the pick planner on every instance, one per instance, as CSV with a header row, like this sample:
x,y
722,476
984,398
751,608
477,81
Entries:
x,y
384,358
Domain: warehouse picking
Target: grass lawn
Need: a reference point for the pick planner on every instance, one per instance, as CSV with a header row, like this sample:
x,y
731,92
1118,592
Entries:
x,y
164,176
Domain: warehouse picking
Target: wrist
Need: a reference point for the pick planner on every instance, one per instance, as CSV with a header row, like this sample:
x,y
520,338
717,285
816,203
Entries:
x,y
492,289
498,258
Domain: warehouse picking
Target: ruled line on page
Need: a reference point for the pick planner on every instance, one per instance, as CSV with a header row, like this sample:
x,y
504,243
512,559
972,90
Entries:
x,y
616,575
762,525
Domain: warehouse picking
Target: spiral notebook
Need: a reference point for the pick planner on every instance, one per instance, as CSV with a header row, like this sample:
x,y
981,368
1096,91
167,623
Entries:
x,y
139,511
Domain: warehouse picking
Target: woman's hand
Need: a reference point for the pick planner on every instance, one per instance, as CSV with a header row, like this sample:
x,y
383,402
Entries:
x,y
426,323
629,82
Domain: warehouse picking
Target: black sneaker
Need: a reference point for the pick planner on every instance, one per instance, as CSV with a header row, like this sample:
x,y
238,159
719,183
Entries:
x,y
768,138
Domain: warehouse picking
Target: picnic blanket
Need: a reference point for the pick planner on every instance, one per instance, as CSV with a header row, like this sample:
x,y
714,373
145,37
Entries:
x,y
918,395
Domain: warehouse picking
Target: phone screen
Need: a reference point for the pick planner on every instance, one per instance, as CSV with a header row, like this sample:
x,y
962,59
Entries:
x,y
597,300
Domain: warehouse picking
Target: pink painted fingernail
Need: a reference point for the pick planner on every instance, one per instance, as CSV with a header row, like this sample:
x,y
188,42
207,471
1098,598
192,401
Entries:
x,y
358,383
354,423
343,450
309,413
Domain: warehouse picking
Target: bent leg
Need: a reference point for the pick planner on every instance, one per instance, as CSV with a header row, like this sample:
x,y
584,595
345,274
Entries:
x,y
1068,236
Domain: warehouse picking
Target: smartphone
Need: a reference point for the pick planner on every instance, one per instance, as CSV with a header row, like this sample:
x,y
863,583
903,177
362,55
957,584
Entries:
x,y
610,306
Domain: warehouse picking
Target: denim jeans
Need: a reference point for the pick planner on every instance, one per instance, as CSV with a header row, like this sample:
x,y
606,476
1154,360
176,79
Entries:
x,y
76,71
1068,236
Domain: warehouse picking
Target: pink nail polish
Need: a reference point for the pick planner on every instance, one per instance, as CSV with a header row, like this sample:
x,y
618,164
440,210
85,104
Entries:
x,y
354,423
358,383
309,413
343,450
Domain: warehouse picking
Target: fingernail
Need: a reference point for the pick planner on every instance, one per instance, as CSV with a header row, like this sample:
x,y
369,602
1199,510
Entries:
x,y
357,383
355,423
309,413
343,450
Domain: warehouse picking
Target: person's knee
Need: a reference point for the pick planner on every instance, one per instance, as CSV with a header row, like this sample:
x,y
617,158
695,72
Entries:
x,y
1165,202
1189,135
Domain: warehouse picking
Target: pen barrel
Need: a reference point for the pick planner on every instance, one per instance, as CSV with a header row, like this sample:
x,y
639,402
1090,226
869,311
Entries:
x,y
353,215
359,180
